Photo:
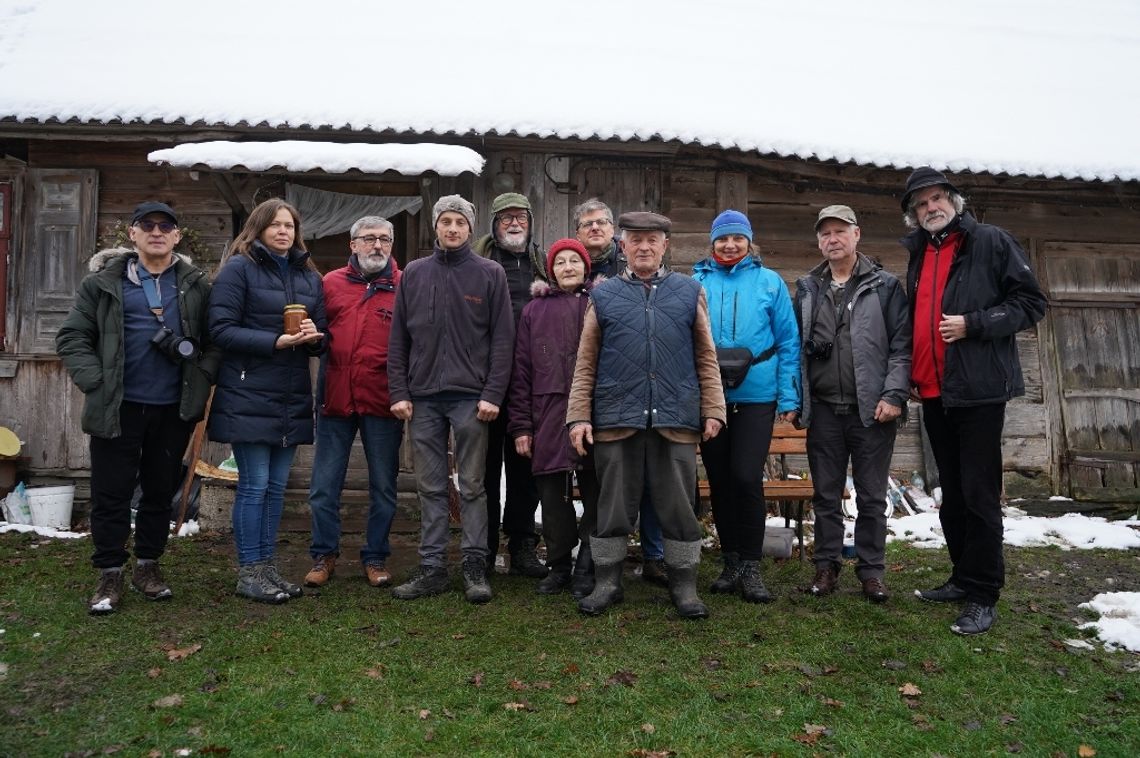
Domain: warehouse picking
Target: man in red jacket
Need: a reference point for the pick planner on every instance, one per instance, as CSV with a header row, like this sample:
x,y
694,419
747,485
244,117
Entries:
x,y
971,290
359,300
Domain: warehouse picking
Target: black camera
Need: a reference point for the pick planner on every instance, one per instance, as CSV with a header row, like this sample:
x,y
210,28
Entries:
x,y
820,350
174,347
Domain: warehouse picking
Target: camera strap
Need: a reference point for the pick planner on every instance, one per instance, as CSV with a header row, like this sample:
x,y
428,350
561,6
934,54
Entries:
x,y
150,287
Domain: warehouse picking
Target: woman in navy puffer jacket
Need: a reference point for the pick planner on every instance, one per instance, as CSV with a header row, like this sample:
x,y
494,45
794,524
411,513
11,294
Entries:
x,y
263,404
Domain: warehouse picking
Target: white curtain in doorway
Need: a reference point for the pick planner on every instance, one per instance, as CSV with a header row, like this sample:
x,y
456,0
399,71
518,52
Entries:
x,y
326,213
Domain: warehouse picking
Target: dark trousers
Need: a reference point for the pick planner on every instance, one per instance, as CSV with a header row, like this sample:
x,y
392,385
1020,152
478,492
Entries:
x,y
832,439
147,452
967,447
734,462
560,529
647,460
522,495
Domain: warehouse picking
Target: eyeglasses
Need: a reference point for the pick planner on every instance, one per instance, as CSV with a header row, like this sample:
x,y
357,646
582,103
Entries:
x,y
166,227
372,239
598,222
519,218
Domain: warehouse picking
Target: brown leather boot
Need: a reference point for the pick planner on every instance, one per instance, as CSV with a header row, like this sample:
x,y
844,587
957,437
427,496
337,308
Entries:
x,y
321,571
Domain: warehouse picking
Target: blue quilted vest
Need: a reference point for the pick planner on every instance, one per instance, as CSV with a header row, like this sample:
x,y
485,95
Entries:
x,y
646,373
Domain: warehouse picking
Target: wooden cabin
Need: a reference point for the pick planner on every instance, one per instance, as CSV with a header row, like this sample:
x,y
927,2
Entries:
x,y
66,188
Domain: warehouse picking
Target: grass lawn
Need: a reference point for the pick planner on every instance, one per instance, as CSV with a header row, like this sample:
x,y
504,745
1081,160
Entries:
x,y
350,671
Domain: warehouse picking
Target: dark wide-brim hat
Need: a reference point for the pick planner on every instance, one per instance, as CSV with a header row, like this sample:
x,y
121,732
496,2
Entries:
x,y
921,178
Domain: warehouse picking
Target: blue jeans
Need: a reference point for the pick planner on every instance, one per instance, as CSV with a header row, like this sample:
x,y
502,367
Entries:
x,y
381,438
431,422
262,473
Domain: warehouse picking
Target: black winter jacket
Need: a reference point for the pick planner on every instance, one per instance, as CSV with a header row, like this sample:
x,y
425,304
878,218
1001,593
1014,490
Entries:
x,y
992,284
264,395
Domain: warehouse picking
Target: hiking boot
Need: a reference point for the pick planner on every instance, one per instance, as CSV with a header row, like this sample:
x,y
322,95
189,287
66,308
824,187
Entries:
x,y
424,581
557,580
945,593
653,571
273,576
376,574
476,588
252,584
975,619
682,560
582,583
525,561
147,579
875,591
726,582
750,585
826,580
609,557
322,570
108,593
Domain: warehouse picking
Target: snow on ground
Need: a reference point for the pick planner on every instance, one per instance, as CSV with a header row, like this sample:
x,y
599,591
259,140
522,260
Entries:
x,y
1071,531
189,529
1119,623
1040,87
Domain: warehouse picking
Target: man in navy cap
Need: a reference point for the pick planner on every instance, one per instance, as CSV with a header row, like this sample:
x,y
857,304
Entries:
x,y
646,389
135,343
971,290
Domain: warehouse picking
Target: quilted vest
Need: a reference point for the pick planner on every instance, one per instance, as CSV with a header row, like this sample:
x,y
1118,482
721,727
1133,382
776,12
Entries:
x,y
646,373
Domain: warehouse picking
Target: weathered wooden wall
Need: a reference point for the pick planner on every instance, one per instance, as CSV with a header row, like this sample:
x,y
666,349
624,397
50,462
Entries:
x,y
1056,221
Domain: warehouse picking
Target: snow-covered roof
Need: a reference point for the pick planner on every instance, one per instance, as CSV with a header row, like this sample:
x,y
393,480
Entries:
x,y
1033,87
330,157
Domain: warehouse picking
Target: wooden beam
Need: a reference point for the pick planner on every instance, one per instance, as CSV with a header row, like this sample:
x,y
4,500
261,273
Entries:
x,y
226,188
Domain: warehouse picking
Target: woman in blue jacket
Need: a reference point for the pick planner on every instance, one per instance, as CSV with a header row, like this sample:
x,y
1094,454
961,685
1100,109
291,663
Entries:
x,y
757,341
263,404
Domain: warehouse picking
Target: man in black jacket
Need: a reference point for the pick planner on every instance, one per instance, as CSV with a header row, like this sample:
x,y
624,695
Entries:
x,y
971,290
133,343
511,246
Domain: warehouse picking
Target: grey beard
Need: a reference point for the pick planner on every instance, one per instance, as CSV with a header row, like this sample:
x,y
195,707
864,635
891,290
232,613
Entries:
x,y
517,244
370,264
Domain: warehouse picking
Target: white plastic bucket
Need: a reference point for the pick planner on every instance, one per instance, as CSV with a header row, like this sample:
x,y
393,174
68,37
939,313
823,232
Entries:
x,y
51,506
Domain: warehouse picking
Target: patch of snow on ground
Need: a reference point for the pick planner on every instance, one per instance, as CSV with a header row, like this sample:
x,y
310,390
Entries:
x,y
1119,623
43,531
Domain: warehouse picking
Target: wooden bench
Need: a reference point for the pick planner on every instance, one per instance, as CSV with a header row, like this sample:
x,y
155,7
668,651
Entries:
x,y
791,496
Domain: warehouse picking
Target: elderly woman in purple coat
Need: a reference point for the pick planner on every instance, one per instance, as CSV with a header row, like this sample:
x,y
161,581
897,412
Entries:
x,y
546,346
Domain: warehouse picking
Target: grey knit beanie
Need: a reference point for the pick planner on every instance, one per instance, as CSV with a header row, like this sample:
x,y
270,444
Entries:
x,y
453,203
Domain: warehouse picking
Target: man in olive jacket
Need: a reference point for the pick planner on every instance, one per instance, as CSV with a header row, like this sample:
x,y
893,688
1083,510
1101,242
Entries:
x,y
135,343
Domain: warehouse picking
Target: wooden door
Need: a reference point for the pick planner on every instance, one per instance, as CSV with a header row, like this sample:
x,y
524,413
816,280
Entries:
x,y
1094,319
59,236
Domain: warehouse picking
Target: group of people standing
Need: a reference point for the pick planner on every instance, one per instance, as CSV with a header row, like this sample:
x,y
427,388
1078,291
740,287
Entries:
x,y
591,368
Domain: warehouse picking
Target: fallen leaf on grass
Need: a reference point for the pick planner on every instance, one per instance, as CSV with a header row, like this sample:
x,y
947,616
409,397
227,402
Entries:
x,y
623,677
829,670
571,700
185,652
429,735
376,672
344,704
154,754
816,729
517,685
832,702
523,706
894,665
1086,751
644,752
806,739
910,690
424,714
459,636
542,685
648,728
930,667
570,669
170,701
154,672
476,679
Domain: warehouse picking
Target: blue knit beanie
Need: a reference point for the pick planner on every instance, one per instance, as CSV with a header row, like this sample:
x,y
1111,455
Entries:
x,y
730,222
